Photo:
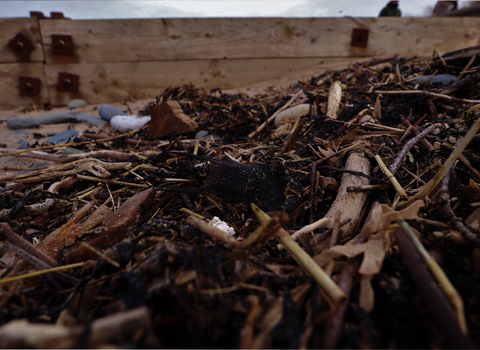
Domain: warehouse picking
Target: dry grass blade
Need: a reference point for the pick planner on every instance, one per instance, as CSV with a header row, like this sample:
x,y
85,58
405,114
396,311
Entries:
x,y
391,177
40,272
334,294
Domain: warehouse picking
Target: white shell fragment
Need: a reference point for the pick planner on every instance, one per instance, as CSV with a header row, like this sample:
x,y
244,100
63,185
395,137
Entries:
x,y
124,123
222,225
292,114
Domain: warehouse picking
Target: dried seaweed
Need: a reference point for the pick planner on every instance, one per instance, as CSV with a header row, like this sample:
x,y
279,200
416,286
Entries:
x,y
152,269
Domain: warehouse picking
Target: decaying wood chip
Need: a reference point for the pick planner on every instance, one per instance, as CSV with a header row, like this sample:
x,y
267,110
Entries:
x,y
259,238
169,118
66,235
117,226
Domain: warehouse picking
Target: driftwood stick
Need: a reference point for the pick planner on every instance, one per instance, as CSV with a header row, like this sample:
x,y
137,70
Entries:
x,y
112,182
35,209
403,153
334,324
93,166
293,136
66,158
313,189
7,234
454,220
351,204
431,293
465,162
428,93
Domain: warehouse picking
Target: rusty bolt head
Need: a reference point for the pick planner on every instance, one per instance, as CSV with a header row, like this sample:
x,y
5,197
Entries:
x,y
328,184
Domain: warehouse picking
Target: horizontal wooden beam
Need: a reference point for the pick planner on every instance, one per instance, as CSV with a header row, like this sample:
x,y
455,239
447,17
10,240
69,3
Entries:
x,y
142,40
117,81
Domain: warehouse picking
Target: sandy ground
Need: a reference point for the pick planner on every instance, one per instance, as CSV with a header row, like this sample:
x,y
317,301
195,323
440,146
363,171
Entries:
x,y
9,138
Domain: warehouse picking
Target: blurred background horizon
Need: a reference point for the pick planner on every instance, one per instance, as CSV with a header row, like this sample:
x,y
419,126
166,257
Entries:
x,y
123,9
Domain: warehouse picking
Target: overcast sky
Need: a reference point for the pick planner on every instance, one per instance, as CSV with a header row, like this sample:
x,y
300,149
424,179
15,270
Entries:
x,y
91,9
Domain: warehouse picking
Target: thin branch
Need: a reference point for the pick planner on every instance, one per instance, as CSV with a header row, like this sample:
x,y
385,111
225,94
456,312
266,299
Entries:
x,y
403,153
432,295
456,222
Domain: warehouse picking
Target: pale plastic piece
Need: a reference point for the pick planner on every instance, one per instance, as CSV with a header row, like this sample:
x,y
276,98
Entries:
x,y
334,99
124,123
292,114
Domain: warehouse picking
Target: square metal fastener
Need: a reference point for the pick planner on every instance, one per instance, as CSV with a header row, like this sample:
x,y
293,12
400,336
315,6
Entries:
x,y
359,37
29,86
22,46
68,82
62,45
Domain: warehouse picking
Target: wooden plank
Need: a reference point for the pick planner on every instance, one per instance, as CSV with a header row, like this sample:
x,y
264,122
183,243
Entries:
x,y
9,27
113,82
137,40
9,84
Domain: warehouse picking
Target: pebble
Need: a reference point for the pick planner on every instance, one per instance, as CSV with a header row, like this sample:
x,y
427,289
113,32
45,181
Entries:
x,y
70,117
23,123
59,117
77,104
440,78
62,137
23,142
107,112
90,119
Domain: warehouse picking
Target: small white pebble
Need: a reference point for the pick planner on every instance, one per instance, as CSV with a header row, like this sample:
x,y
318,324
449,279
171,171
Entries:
x,y
124,123
222,225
